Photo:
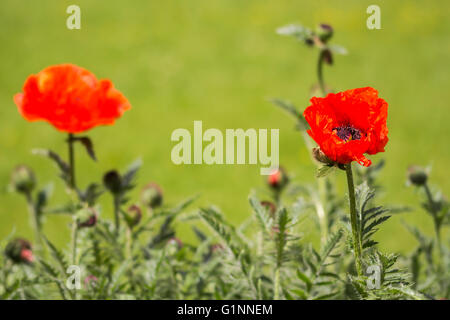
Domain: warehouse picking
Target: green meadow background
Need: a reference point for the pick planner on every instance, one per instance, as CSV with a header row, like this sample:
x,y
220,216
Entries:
x,y
220,61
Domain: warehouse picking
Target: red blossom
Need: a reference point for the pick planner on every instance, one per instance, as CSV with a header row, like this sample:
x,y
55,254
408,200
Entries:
x,y
349,124
70,98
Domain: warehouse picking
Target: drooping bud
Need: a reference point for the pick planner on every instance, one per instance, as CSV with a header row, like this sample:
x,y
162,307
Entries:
x,y
133,216
324,32
113,181
86,217
328,56
152,195
19,251
278,179
270,207
23,179
417,175
321,157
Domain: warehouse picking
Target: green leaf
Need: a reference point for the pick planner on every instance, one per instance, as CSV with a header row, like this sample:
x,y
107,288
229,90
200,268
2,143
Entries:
x,y
303,277
62,165
262,214
291,109
88,145
325,171
57,255
297,31
338,49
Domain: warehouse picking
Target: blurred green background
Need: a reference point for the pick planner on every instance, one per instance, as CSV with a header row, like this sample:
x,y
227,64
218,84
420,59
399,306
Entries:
x,y
220,61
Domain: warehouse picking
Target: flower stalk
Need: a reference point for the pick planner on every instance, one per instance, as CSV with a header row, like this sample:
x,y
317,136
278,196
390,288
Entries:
x,y
72,186
35,223
356,234
320,72
434,212
117,213
276,295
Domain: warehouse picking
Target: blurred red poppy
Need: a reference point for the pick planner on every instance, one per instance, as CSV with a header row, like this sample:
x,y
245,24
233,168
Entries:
x,y
349,124
70,98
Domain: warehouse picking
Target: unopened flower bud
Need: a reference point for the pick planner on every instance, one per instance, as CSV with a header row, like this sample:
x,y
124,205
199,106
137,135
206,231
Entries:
x,y
270,207
23,179
113,181
324,32
328,56
321,157
152,195
133,215
90,281
216,247
417,175
176,241
278,179
19,251
173,245
86,217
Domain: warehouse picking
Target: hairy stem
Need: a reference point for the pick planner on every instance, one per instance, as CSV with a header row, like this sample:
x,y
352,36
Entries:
x,y
70,141
74,241
320,72
357,247
434,213
34,218
116,213
129,243
73,187
276,288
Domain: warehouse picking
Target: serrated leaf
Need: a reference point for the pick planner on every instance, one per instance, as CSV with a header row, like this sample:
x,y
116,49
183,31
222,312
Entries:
x,y
291,109
88,145
325,171
303,277
62,165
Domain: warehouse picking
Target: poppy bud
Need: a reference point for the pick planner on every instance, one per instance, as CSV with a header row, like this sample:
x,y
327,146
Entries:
x,y
328,56
113,181
309,42
19,251
319,156
152,195
90,281
86,217
174,244
216,247
270,207
23,179
417,175
133,215
324,32
278,179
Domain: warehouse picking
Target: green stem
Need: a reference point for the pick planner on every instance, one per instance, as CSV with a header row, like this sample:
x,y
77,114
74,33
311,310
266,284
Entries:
x,y
116,213
129,243
35,223
72,185
434,213
71,161
320,72
357,247
74,241
276,288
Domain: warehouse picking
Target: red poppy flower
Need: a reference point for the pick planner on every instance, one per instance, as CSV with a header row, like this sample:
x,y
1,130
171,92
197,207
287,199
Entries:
x,y
349,124
70,98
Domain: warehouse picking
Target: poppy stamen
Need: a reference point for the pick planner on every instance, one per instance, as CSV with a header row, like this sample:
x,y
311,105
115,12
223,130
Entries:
x,y
347,133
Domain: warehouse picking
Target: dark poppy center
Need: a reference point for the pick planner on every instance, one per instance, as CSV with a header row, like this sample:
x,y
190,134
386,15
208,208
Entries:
x,y
347,133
